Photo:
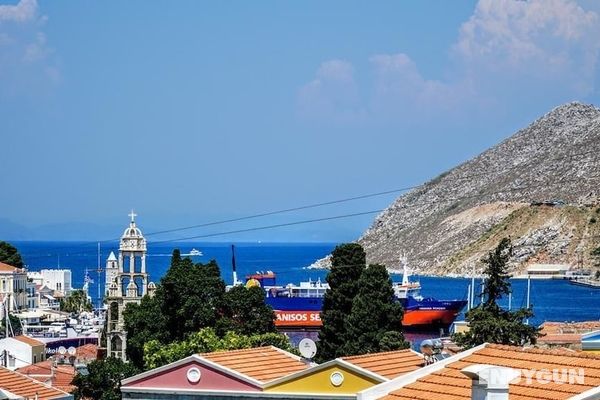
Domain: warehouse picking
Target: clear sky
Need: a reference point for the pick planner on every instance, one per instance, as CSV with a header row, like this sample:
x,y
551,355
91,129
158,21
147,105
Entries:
x,y
193,111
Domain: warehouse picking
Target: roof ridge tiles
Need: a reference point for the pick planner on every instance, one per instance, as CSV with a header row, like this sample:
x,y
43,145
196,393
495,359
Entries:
x,y
550,352
247,350
375,354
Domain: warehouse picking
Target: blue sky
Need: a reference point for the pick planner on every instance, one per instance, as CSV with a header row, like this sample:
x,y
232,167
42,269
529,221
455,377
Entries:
x,y
192,112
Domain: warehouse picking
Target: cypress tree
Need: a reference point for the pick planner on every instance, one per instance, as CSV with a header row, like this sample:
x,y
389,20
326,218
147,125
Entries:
x,y
375,322
347,264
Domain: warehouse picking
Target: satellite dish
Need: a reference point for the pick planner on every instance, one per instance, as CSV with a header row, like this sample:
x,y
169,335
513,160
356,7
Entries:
x,y
72,350
307,348
62,350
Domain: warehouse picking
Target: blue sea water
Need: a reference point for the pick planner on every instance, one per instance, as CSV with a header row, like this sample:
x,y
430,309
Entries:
x,y
553,300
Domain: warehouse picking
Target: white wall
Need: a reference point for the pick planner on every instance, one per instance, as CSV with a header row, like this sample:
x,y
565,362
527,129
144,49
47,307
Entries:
x,y
20,354
57,279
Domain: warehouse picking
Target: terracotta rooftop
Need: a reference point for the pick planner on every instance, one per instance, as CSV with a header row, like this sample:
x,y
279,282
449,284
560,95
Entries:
x,y
261,363
449,383
59,377
567,328
87,352
388,364
26,387
7,268
29,340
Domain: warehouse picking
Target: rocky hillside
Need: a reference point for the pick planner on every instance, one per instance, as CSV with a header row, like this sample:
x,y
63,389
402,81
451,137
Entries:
x,y
447,224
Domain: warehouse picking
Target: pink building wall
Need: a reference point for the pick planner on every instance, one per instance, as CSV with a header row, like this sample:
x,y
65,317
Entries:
x,y
211,379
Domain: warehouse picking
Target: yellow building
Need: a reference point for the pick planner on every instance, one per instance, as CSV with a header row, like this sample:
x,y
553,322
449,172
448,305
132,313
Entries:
x,y
345,377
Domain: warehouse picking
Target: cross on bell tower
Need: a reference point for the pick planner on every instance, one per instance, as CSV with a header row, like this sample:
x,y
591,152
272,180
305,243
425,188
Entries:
x,y
129,285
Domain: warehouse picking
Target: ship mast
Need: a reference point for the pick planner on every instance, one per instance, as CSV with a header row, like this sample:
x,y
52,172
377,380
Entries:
x,y
405,280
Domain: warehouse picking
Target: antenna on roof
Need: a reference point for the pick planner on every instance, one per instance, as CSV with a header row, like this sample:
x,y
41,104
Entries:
x,y
307,348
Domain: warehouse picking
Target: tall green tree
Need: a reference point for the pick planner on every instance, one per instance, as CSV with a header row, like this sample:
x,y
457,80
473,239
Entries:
x,y
488,322
191,295
103,382
374,316
244,311
144,322
10,255
347,264
76,302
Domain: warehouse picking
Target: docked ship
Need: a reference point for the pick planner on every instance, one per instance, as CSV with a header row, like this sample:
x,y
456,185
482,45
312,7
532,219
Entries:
x,y
300,305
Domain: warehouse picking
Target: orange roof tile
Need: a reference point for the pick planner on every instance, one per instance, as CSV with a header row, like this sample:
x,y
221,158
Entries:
x,y
449,383
562,328
29,340
59,377
24,386
389,364
7,268
87,351
261,363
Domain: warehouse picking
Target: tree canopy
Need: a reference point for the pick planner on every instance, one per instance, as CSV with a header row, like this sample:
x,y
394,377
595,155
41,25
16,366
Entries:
x,y
76,302
347,264
244,311
375,321
188,298
10,255
103,382
207,340
488,322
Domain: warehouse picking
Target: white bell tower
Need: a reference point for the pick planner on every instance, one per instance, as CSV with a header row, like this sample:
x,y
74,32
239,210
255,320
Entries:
x,y
129,285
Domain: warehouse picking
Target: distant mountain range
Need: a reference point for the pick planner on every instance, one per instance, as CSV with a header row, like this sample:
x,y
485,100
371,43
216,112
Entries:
x,y
540,187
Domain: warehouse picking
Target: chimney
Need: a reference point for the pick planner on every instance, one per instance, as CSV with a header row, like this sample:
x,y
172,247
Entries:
x,y
490,382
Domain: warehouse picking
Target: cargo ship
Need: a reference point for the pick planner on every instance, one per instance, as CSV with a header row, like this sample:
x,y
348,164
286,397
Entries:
x,y
299,306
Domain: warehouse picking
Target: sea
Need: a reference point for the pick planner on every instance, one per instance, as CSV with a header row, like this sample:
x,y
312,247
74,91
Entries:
x,y
552,300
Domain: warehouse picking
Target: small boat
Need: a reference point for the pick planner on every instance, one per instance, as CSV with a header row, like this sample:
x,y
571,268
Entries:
x,y
194,252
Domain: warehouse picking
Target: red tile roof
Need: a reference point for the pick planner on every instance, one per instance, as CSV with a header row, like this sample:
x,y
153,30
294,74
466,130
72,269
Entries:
x,y
7,268
389,364
449,383
59,377
87,352
261,363
29,340
24,386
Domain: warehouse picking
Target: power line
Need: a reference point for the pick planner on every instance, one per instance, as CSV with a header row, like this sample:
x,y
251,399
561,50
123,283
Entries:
x,y
307,221
315,205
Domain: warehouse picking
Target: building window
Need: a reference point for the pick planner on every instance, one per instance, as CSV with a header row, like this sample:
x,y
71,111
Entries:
x,y
34,358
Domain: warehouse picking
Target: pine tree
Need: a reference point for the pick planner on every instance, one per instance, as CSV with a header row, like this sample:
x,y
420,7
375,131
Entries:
x,y
10,255
347,264
375,322
488,322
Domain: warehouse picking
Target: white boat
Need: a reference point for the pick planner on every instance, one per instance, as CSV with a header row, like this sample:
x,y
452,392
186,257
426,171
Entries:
x,y
194,252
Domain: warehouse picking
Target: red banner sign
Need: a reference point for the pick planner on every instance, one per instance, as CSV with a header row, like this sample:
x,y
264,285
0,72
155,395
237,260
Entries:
x,y
297,318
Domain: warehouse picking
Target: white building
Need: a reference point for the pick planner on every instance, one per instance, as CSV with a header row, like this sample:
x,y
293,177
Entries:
x,y
112,270
55,279
13,286
33,300
547,271
22,351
